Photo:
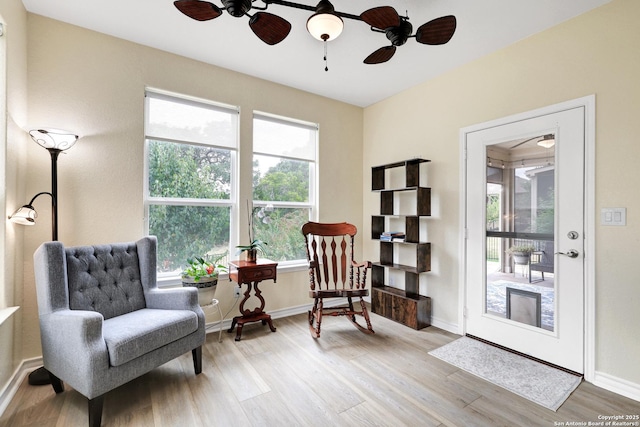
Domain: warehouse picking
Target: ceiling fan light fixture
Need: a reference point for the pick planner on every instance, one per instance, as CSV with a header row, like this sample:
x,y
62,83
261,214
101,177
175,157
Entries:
x,y
325,25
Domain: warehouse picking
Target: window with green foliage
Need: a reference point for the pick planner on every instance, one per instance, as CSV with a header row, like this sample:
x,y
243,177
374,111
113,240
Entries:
x,y
284,183
189,187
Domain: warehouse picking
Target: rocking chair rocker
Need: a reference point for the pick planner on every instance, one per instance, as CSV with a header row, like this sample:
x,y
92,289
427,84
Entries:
x,y
334,274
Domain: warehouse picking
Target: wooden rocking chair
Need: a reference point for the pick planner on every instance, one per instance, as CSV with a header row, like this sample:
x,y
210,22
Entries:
x,y
334,274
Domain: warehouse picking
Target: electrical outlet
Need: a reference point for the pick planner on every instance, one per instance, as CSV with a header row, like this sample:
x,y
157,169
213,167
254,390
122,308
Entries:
x,y
236,291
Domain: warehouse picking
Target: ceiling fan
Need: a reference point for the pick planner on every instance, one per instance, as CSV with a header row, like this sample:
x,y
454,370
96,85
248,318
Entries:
x,y
326,23
398,29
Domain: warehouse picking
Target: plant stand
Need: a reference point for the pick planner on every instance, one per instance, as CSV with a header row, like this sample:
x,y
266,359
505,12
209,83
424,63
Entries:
x,y
206,291
206,288
523,260
216,304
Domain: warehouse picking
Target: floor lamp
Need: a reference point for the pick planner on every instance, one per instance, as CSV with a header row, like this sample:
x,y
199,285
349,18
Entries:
x,y
55,141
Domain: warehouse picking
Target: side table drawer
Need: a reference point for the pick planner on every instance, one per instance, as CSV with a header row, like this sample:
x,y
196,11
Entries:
x,y
257,274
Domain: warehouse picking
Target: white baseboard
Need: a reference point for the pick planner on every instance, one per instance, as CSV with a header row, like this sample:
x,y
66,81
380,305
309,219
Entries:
x,y
447,326
16,379
617,385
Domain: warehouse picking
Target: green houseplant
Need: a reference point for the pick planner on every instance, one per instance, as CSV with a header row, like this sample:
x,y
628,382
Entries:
x,y
200,273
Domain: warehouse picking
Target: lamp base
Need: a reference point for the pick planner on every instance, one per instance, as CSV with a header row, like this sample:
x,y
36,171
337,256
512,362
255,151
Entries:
x,y
39,377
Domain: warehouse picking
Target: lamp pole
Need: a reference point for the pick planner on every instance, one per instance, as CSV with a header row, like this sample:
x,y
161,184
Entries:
x,y
54,192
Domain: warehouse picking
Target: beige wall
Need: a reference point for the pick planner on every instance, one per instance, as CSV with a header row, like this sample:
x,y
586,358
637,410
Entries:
x,y
596,53
12,143
94,84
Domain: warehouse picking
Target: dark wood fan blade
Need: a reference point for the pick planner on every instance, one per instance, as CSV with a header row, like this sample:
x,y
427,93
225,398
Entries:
x,y
381,17
381,55
198,10
438,31
270,28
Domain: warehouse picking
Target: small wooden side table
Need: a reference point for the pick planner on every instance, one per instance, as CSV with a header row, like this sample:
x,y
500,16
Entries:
x,y
250,274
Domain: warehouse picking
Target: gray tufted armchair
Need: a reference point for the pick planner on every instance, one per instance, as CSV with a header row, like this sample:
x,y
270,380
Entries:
x,y
104,322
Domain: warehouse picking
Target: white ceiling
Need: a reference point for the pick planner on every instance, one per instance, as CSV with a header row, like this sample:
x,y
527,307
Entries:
x,y
483,27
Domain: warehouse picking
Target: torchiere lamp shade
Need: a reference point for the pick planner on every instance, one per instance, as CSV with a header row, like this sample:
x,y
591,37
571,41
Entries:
x,y
53,139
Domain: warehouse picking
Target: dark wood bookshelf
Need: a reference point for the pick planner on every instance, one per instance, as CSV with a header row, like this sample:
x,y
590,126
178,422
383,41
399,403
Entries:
x,y
405,305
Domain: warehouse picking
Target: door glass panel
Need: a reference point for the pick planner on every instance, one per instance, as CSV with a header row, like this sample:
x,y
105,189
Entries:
x,y
520,215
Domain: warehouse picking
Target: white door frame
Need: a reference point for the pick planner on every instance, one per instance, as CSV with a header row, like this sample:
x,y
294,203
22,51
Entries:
x,y
589,104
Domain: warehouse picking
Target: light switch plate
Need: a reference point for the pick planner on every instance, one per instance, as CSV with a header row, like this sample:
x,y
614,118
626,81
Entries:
x,y
613,216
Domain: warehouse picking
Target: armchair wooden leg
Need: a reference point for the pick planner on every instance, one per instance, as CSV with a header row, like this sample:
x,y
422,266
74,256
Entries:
x,y
197,359
58,385
95,411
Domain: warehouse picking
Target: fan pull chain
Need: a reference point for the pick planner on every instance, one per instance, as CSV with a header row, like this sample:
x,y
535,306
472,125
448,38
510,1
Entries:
x,y
326,68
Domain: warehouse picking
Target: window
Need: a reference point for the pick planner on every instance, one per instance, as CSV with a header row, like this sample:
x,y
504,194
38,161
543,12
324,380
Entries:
x,y
284,183
189,177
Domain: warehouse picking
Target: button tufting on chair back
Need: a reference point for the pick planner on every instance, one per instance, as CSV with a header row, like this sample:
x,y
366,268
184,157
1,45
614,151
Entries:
x,y
105,279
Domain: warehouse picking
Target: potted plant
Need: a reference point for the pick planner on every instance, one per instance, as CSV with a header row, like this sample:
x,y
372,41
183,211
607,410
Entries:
x,y
521,253
255,245
200,273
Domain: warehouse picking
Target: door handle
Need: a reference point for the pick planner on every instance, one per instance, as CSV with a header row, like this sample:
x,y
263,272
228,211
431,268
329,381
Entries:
x,y
571,253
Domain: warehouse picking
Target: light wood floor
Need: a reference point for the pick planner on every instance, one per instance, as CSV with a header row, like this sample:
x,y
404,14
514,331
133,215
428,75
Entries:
x,y
287,378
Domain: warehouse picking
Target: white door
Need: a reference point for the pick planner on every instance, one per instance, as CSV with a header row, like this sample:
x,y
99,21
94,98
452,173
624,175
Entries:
x,y
525,193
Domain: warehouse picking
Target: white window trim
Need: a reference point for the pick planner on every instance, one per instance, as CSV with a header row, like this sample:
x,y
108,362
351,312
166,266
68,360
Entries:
x,y
312,205
169,279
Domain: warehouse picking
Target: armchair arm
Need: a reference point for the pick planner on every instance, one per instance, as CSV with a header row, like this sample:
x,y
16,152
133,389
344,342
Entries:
x,y
173,299
75,327
72,343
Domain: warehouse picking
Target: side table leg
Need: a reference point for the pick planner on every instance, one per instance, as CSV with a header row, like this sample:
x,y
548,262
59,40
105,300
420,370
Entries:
x,y
239,332
273,328
233,324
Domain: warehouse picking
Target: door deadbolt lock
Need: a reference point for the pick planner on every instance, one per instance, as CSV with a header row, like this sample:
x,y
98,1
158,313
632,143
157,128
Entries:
x,y
571,253
573,235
